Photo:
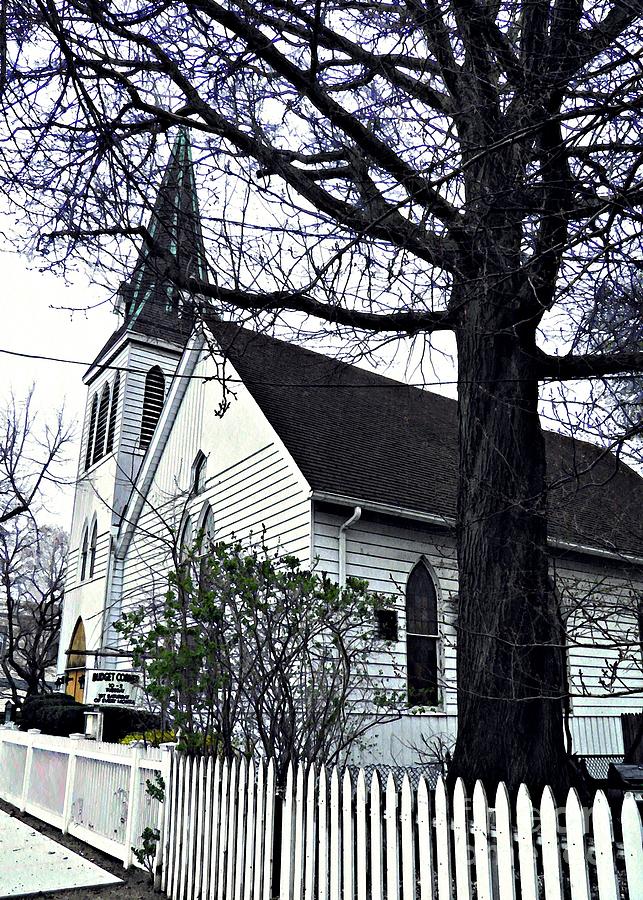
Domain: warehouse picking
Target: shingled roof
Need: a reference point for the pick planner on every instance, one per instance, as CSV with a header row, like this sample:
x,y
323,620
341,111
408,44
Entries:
x,y
357,434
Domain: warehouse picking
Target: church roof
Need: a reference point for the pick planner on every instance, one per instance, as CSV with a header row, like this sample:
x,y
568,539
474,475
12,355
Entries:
x,y
356,434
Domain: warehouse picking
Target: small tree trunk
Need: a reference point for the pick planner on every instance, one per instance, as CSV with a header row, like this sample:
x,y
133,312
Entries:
x,y
511,665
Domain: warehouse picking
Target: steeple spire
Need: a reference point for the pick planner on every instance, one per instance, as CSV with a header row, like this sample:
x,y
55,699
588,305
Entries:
x,y
152,302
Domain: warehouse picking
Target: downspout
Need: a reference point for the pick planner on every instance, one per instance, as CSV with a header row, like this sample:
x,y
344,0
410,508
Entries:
x,y
357,514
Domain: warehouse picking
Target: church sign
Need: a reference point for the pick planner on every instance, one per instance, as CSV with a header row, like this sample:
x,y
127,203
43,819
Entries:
x,y
109,687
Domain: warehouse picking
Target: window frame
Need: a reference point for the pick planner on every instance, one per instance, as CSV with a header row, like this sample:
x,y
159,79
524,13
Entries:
x,y
436,638
84,546
93,542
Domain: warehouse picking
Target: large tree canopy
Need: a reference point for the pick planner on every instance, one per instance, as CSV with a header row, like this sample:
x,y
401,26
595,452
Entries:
x,y
403,168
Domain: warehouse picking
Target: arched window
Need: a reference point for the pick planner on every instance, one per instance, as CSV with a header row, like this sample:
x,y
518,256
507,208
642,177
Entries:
x,y
198,473
92,549
101,425
113,409
83,554
76,663
90,431
152,404
186,538
422,637
208,527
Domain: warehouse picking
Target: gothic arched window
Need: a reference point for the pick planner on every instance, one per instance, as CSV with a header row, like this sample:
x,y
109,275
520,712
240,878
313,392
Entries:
x,y
101,425
92,548
198,473
152,404
90,431
422,637
83,553
186,538
113,409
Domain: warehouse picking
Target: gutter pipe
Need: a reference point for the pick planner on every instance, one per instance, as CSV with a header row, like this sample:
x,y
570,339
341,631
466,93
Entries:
x,y
357,514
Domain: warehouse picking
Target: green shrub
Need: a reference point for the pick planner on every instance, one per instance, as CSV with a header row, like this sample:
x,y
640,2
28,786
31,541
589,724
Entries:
x,y
56,714
154,737
118,723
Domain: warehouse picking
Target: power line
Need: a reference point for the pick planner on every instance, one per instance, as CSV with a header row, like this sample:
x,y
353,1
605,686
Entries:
x,y
292,384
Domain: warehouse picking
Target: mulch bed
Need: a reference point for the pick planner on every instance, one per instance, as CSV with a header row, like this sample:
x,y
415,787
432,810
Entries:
x,y
136,884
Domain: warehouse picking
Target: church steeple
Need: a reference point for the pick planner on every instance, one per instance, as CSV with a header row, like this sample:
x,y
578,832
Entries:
x,y
152,302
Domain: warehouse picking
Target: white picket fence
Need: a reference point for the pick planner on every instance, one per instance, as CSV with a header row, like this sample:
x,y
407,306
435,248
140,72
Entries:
x,y
95,791
229,836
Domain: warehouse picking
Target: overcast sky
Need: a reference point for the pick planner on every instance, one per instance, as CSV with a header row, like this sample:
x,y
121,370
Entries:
x,y
34,323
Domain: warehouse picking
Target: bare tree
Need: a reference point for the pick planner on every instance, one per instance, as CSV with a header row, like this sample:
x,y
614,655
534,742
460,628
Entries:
x,y
32,459
391,169
32,564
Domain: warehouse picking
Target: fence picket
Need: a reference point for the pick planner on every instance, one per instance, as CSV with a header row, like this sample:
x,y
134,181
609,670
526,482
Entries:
x,y
186,835
377,857
632,843
223,831
232,831
198,845
268,836
392,864
360,835
552,871
461,842
322,842
207,831
195,790
178,834
576,850
347,836
335,859
241,833
286,837
260,815
425,852
298,867
604,848
526,849
168,849
216,829
309,860
482,843
443,841
504,843
250,834
406,840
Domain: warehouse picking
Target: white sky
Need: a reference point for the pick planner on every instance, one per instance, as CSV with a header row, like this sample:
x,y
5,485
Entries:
x,y
32,322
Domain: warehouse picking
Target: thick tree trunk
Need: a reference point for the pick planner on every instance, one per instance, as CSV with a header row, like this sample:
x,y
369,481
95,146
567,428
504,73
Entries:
x,y
511,667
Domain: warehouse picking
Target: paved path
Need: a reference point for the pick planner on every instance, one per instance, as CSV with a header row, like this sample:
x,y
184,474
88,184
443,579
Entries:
x,y
31,863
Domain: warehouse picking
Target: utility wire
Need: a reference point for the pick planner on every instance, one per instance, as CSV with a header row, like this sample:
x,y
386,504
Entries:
x,y
294,384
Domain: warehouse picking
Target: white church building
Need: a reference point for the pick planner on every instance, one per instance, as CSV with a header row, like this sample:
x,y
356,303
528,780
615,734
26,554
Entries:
x,y
236,431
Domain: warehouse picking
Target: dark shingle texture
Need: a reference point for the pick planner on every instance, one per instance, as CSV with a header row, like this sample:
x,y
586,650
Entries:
x,y
360,435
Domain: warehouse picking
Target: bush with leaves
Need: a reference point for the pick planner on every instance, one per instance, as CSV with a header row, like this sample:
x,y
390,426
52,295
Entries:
x,y
256,654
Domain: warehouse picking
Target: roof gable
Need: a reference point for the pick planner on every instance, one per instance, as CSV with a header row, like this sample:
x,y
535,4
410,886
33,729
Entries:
x,y
358,434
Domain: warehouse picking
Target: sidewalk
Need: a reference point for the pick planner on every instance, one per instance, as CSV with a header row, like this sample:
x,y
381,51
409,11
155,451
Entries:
x,y
31,863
